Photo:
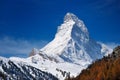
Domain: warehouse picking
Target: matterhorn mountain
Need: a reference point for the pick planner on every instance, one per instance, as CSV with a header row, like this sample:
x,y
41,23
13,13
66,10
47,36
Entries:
x,y
72,42
71,51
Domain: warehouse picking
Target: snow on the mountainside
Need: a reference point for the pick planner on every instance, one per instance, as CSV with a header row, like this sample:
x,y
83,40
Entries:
x,y
21,69
59,43
105,49
52,67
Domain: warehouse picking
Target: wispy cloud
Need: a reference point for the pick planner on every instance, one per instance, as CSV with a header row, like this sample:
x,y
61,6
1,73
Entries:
x,y
10,46
112,44
21,48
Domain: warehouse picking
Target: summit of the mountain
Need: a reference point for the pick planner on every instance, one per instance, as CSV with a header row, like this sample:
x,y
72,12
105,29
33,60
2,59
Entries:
x,y
71,22
70,16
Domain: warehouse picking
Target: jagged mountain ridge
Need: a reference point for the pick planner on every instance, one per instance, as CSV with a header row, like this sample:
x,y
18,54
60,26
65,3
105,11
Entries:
x,y
10,70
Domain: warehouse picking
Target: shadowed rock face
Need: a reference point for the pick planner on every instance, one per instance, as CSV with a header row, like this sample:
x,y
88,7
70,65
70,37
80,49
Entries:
x,y
116,51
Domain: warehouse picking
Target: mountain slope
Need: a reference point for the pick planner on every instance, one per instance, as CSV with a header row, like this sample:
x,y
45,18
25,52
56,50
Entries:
x,y
10,70
107,68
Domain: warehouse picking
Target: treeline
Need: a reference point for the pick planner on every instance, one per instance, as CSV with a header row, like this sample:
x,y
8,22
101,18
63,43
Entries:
x,y
107,68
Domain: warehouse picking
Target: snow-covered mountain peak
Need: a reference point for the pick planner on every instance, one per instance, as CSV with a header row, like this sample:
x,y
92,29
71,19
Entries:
x,y
70,16
71,32
72,27
72,42
72,48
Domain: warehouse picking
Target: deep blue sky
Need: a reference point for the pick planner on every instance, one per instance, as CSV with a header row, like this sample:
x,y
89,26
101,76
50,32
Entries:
x,y
38,19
